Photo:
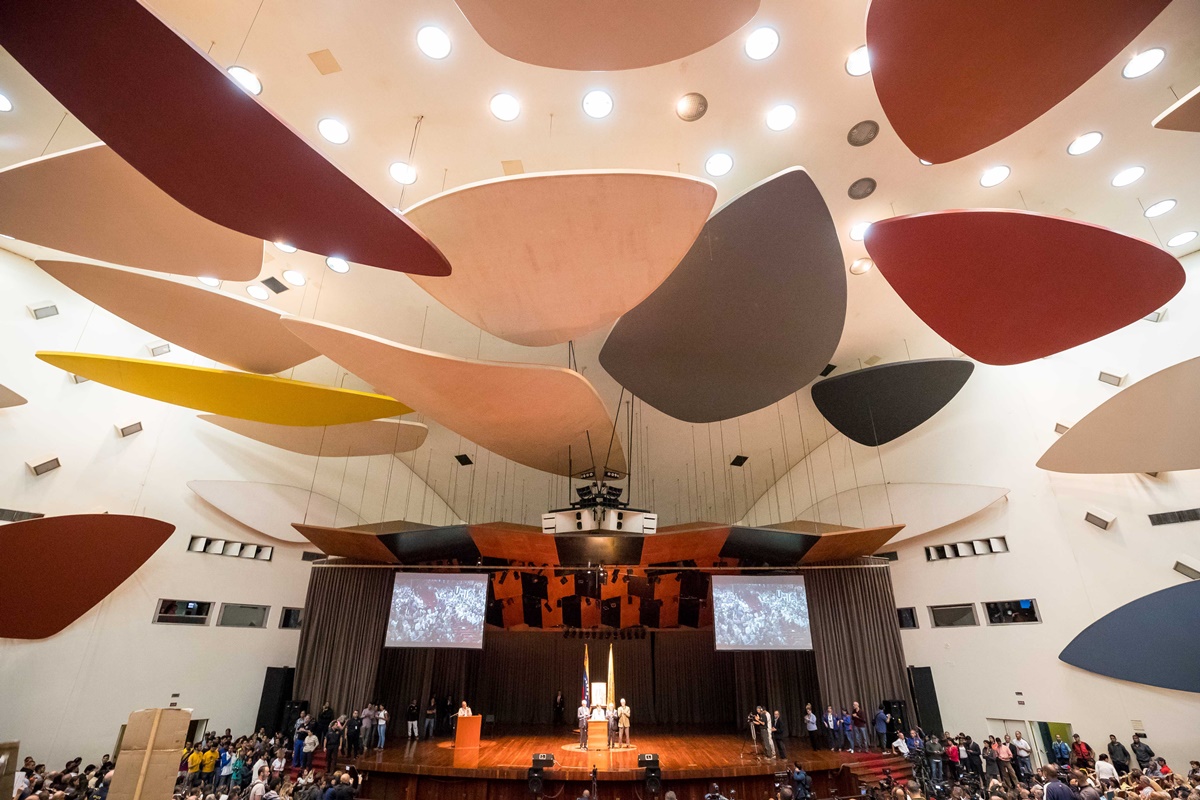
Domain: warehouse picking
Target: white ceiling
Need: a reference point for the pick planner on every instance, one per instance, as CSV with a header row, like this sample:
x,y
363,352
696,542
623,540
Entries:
x,y
386,83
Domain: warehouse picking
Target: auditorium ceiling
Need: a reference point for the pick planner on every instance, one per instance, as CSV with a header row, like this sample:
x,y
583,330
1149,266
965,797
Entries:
x,y
647,215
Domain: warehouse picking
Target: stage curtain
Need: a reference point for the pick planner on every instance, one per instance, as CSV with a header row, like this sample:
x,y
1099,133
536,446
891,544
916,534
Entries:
x,y
782,680
856,636
345,619
693,684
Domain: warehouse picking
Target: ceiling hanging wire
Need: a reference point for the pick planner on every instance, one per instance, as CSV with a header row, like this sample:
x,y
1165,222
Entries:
x,y
52,135
832,473
879,455
412,149
787,470
814,501
257,11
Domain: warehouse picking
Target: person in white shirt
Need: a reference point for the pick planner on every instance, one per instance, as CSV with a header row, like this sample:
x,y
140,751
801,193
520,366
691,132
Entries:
x,y
900,746
1021,749
464,710
1105,769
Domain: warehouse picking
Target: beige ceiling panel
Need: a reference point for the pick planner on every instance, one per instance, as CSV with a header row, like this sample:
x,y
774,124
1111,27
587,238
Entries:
x,y
271,508
540,259
9,398
373,438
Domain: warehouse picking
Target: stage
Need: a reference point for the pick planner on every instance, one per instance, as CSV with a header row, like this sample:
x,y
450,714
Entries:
x,y
690,761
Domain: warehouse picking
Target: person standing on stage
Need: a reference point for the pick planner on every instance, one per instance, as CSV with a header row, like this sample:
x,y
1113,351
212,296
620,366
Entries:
x,y
560,708
353,736
431,718
411,716
623,713
830,724
323,719
582,715
768,732
444,709
848,730
381,721
778,735
882,718
757,726
810,725
611,716
858,719
367,720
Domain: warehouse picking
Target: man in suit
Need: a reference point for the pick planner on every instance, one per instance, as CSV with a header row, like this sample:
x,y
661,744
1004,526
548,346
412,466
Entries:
x,y
623,714
778,734
582,715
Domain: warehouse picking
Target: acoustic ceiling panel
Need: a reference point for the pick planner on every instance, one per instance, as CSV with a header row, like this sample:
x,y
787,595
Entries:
x,y
9,398
170,111
875,405
260,398
922,507
954,77
1184,115
1158,617
271,508
1150,426
542,258
1008,286
849,544
372,438
547,418
766,547
752,313
228,329
92,554
604,35
504,540
347,543
91,203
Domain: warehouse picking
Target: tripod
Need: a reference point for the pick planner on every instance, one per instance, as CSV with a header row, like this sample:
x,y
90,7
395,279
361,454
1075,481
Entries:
x,y
753,744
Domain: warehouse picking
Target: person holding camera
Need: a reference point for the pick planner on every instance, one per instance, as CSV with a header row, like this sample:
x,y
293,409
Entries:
x,y
801,782
714,793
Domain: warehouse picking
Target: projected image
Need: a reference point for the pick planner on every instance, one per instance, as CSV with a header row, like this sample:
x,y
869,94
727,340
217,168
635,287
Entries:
x,y
437,611
753,613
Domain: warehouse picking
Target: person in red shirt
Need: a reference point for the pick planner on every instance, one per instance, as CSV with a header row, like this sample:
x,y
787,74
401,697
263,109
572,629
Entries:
x,y
1082,754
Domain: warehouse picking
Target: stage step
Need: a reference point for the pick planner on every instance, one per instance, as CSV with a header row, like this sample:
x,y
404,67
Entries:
x,y
869,768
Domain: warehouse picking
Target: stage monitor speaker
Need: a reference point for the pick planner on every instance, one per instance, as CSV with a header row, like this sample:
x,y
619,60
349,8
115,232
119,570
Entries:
x,y
543,760
534,779
924,695
898,709
647,760
277,691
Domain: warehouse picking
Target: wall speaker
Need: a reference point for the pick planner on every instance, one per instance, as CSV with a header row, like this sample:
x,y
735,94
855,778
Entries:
x,y
43,310
158,348
1100,518
1112,378
1188,567
129,429
40,466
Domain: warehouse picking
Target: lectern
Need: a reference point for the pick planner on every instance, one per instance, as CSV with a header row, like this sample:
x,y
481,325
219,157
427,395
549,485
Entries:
x,y
467,734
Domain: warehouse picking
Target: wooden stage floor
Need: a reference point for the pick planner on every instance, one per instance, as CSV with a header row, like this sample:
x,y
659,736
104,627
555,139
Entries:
x,y
505,754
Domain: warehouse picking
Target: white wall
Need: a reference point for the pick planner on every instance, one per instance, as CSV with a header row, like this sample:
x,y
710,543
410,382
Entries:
x,y
68,695
993,433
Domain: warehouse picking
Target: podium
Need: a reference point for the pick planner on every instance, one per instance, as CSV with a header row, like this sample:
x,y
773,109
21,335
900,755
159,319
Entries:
x,y
466,733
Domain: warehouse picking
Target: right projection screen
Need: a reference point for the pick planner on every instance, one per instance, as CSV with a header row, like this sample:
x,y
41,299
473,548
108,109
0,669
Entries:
x,y
761,613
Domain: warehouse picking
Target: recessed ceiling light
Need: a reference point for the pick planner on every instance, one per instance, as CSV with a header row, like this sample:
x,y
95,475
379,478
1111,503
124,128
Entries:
x,y
208,280
1128,176
691,106
993,176
1181,238
863,133
862,189
294,277
858,231
246,79
403,173
859,62
1085,143
334,131
761,43
861,266
1160,208
505,107
257,292
597,104
284,246
718,164
1143,62
781,117
5,103
433,42
336,264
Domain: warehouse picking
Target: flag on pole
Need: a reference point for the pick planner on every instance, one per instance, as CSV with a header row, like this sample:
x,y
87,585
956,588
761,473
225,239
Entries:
x,y
587,680
611,690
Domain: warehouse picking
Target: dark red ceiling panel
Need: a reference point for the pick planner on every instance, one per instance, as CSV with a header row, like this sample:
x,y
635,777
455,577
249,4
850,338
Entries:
x,y
954,76
1006,287
88,555
179,119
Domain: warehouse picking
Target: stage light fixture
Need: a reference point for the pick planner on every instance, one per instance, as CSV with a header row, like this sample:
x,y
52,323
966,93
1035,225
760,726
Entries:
x,y
503,577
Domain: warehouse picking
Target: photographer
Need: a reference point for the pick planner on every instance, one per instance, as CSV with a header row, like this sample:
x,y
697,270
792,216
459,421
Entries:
x,y
714,793
801,782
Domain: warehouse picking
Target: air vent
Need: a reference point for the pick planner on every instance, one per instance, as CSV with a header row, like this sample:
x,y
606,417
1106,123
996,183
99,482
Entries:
x,y
9,515
862,188
863,133
43,465
1156,316
158,349
1172,517
275,285
1061,428
464,459
829,368
976,547
324,61
129,429
309,555
1111,378
43,310
1101,519
739,461
1187,571
223,547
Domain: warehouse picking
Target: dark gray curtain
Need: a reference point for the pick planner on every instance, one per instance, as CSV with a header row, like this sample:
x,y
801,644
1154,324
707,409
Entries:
x,y
779,680
345,619
856,636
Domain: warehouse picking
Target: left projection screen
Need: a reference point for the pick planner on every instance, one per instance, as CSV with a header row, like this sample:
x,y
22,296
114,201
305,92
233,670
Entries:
x,y
437,611
761,613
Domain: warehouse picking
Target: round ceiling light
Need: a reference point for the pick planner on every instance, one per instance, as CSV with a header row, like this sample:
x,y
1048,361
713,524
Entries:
x,y
718,164
761,43
1160,208
858,231
433,42
1128,176
861,188
209,281
403,173
294,277
1085,143
781,117
1181,238
1143,62
863,133
339,265
246,79
859,62
333,131
861,266
5,103
284,246
691,106
597,104
505,107
257,292
994,176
